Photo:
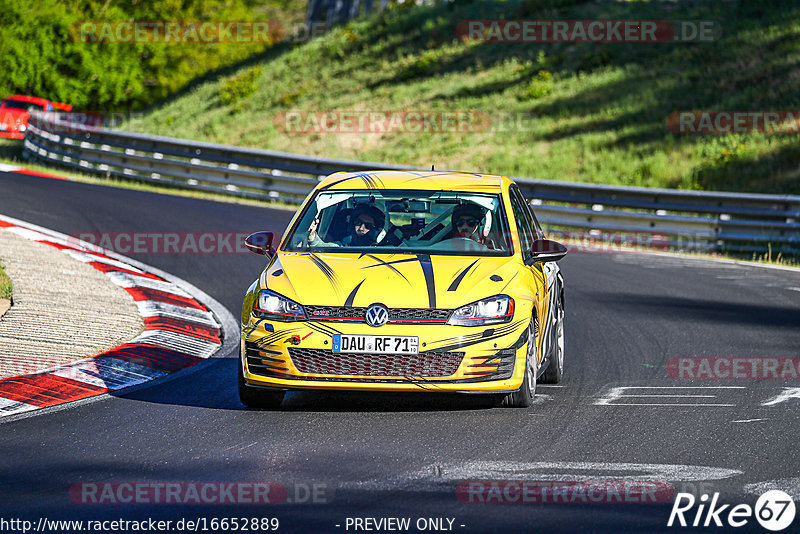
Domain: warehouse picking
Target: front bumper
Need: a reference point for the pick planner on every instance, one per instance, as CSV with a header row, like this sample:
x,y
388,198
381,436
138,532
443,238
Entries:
x,y
298,355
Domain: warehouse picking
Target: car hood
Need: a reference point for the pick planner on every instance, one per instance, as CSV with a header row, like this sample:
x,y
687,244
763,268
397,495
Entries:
x,y
395,280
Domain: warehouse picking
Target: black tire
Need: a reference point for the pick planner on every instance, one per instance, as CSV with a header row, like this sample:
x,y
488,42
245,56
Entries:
x,y
555,369
257,398
523,397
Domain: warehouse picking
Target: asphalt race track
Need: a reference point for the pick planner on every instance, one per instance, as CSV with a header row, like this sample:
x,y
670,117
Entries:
x,y
619,415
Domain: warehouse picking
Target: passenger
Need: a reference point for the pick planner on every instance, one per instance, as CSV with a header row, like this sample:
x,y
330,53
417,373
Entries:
x,y
365,223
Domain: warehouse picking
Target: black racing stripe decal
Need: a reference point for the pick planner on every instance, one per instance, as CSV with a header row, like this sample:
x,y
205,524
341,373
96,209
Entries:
x,y
337,182
510,280
427,270
389,264
368,181
325,268
441,175
275,337
324,329
352,295
385,262
473,339
461,276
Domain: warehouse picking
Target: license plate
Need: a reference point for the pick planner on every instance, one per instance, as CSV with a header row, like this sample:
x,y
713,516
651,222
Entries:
x,y
375,344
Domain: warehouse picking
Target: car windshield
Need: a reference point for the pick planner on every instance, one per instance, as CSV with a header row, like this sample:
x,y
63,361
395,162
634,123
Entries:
x,y
430,222
16,104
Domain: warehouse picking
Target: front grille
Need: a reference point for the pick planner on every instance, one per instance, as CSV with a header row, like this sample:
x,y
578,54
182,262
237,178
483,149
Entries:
x,y
396,315
326,362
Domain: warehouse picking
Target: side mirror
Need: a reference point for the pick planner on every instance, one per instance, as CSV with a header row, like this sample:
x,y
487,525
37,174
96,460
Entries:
x,y
260,243
546,250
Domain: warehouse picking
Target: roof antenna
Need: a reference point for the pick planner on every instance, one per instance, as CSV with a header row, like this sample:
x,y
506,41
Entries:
x,y
432,167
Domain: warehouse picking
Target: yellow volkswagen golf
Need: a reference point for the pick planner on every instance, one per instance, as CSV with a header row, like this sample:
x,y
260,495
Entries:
x,y
405,281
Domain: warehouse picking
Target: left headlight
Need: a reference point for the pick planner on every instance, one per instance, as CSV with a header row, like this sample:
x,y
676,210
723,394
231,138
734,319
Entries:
x,y
494,310
277,307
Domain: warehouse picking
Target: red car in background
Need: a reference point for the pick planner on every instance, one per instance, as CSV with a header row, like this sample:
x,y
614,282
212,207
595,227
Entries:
x,y
15,112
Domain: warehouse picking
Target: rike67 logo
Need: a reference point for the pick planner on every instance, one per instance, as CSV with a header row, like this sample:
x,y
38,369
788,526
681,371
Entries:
x,y
774,511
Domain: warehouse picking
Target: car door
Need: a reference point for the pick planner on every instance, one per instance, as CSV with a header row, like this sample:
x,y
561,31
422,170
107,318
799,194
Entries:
x,y
527,234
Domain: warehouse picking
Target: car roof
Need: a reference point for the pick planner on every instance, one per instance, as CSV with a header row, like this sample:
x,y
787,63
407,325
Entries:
x,y
29,99
425,180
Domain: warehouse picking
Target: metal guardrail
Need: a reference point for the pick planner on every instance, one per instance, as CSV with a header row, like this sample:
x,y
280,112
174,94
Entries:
x,y
692,219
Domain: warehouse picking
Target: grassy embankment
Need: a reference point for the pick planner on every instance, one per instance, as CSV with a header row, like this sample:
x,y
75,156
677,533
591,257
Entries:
x,y
6,285
593,112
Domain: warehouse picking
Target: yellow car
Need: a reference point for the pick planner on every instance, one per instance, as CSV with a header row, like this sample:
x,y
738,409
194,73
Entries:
x,y
405,281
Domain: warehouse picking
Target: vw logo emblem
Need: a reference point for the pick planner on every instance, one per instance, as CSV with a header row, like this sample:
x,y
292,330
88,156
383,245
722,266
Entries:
x,y
377,315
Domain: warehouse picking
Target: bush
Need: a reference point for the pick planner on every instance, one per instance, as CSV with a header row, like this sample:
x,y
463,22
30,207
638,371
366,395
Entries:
x,y
540,86
239,87
44,53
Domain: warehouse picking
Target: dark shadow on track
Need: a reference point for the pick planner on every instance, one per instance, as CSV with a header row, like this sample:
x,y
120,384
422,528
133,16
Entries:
x,y
217,390
701,311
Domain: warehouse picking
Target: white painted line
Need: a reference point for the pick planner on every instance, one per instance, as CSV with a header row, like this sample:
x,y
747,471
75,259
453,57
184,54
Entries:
x,y
621,392
671,396
788,485
685,387
793,288
665,404
4,167
783,396
748,420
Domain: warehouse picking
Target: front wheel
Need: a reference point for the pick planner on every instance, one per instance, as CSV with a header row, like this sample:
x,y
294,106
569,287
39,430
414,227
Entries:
x,y
523,397
255,398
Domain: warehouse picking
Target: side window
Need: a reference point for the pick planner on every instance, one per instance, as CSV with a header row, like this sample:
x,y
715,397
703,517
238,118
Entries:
x,y
523,223
534,223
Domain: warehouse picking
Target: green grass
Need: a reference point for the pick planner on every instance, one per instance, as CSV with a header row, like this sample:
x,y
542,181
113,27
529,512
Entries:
x,y
6,285
592,112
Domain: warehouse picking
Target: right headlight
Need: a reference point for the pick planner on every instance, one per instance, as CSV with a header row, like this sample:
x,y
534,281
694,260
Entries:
x,y
493,310
277,307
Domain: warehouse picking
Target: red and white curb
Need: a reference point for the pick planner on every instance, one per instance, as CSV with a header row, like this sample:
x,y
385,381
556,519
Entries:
x,y
179,331
4,167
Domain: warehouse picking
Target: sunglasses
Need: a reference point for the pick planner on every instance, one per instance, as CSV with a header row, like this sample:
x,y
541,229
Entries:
x,y
365,224
467,222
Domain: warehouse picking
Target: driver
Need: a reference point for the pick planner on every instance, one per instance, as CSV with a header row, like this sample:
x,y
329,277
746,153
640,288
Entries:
x,y
466,222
